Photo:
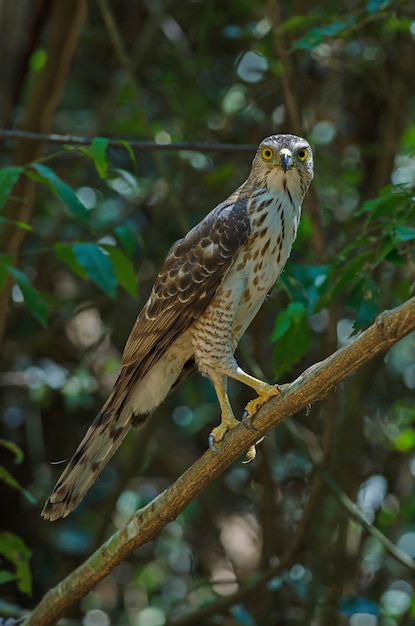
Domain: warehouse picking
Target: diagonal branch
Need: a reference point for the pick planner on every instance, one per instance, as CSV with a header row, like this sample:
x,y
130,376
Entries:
x,y
316,383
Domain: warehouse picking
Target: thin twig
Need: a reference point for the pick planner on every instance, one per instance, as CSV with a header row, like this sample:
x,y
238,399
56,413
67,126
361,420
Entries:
x,y
223,604
348,504
72,140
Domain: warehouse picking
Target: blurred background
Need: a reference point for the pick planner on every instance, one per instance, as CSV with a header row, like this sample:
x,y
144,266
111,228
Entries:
x,y
273,542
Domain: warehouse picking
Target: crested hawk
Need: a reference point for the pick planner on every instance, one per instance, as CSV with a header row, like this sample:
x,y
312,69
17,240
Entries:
x,y
207,292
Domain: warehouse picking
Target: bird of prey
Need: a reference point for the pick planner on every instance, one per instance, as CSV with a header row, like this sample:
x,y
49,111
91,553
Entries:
x,y
208,291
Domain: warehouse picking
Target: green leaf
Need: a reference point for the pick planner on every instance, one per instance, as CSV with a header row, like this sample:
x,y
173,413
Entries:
x,y
129,239
6,477
295,23
394,257
38,60
408,137
390,199
242,616
47,176
22,225
310,40
335,27
124,270
386,246
375,6
34,301
5,261
316,35
14,549
65,253
403,233
98,151
364,299
292,334
131,154
98,266
402,24
6,577
14,449
349,271
8,177
405,441
306,283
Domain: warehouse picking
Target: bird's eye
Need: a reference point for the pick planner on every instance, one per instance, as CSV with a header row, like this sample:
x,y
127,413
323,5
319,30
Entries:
x,y
302,154
267,154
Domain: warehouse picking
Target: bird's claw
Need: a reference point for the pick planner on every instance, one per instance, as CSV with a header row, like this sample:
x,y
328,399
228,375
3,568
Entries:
x,y
251,409
212,444
244,420
218,433
254,405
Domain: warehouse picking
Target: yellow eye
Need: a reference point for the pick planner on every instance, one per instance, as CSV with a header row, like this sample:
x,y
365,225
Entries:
x,y
267,154
302,154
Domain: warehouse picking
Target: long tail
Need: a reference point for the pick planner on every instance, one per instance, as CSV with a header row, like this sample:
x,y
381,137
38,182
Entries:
x,y
101,441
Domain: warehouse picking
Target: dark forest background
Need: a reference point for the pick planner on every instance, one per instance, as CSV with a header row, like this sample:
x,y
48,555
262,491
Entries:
x,y
84,227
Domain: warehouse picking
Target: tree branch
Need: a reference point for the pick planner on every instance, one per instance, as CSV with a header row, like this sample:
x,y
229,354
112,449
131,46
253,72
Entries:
x,y
316,383
72,140
352,510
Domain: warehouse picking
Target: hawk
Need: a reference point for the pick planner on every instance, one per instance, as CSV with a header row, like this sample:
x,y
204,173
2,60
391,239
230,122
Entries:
x,y
208,291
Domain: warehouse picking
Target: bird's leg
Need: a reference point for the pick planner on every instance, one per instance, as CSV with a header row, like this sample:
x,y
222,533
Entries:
x,y
228,419
264,390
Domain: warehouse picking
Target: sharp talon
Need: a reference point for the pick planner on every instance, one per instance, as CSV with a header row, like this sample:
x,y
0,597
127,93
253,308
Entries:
x,y
308,409
247,425
212,444
254,405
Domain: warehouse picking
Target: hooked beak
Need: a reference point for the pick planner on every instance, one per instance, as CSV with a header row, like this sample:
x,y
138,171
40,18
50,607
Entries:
x,y
286,159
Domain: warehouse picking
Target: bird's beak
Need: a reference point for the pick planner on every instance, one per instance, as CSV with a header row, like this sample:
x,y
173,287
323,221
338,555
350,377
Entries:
x,y
286,159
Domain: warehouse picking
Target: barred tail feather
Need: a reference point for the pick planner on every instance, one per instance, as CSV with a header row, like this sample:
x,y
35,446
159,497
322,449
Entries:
x,y
101,441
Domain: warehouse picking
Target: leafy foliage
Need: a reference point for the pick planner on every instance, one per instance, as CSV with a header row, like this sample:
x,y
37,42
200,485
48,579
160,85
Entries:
x,y
6,476
41,173
8,177
17,553
292,335
97,265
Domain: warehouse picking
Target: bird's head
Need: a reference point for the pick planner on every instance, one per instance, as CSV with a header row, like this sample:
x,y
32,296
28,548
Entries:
x,y
283,160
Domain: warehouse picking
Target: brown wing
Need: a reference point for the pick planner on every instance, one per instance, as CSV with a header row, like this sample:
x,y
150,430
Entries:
x,y
186,284
189,278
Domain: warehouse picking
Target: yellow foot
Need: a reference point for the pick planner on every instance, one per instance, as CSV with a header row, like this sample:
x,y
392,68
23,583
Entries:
x,y
220,431
254,405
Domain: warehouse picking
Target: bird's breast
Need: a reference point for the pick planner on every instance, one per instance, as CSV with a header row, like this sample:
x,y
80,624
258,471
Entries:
x,y
254,271
274,222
